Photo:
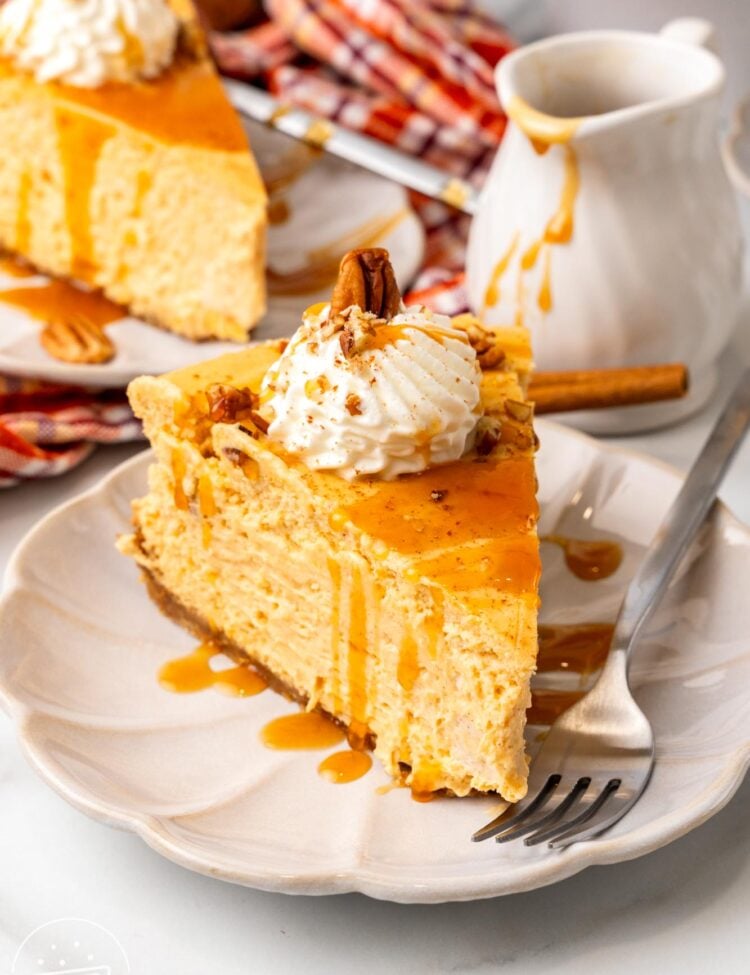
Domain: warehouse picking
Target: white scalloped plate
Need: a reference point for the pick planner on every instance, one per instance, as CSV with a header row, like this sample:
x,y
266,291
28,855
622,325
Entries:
x,y
81,645
332,206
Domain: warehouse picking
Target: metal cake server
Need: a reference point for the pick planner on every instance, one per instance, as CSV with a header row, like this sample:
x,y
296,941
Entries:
x,y
599,755
258,105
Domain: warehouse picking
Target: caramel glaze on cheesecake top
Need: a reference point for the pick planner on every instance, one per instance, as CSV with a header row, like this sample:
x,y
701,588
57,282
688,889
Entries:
x,y
145,190
406,609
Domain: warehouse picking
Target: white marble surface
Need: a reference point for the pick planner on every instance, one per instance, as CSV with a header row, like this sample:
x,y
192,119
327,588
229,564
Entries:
x,y
680,909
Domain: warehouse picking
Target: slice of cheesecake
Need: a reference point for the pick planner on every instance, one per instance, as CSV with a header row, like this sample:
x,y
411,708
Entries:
x,y
406,609
147,191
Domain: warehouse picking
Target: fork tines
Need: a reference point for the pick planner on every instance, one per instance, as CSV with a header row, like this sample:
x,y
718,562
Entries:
x,y
538,819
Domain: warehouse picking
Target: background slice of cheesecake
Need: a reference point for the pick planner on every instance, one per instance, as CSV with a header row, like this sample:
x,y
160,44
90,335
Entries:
x,y
148,191
405,609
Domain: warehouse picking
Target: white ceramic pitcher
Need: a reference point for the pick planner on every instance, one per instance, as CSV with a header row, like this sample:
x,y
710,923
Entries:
x,y
608,224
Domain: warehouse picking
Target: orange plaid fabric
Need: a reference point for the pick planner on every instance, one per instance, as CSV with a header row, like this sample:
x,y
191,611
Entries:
x,y
417,74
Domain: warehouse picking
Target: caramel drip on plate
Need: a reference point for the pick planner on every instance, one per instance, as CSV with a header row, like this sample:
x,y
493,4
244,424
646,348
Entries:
x,y
547,706
80,140
543,131
186,675
305,730
278,211
345,766
589,560
23,221
61,300
14,268
578,648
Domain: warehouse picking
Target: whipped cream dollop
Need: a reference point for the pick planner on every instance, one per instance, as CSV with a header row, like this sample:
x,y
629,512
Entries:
x,y
364,397
86,43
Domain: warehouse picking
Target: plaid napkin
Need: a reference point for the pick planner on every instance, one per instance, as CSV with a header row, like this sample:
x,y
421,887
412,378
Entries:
x,y
47,429
417,74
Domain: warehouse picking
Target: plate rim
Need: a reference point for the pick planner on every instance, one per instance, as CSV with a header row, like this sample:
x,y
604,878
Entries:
x,y
361,877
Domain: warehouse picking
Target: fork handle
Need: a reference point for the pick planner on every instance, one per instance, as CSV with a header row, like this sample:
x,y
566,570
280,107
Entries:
x,y
684,519
368,153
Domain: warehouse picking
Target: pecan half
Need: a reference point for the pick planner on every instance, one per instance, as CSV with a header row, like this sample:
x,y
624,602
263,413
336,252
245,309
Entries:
x,y
77,339
366,279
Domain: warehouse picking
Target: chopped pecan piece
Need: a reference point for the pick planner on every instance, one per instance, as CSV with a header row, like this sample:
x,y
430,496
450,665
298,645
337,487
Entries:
x,y
489,354
488,435
227,403
366,279
522,412
353,405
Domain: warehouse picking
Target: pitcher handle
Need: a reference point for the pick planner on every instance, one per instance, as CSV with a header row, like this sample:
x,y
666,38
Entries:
x,y
691,30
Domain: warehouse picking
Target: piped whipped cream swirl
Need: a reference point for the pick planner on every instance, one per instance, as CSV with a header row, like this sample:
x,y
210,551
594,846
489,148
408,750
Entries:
x,y
374,398
86,43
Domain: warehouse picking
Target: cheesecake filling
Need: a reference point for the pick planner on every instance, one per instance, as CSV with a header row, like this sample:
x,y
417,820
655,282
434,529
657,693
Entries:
x,y
86,43
365,396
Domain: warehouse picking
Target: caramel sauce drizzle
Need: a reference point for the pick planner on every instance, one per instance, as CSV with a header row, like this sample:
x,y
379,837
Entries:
x,y
492,294
490,504
81,140
23,222
302,731
579,648
346,766
548,705
357,660
589,560
15,268
408,661
167,107
542,131
59,300
186,675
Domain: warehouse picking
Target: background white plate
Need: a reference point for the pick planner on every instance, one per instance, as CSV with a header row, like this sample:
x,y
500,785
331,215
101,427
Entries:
x,y
82,644
331,204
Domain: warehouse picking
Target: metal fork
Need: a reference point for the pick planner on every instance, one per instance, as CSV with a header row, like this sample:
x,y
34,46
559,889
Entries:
x,y
598,756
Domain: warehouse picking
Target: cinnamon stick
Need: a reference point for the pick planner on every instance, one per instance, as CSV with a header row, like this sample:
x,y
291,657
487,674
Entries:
x,y
561,392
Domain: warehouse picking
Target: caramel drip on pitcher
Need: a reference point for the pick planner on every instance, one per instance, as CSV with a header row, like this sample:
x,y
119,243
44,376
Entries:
x,y
542,131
